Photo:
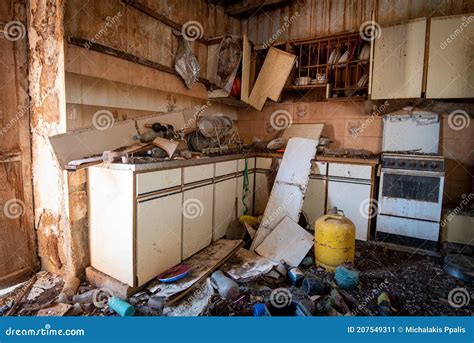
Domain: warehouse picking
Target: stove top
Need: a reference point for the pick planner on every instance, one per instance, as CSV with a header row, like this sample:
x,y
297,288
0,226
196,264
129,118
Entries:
x,y
413,161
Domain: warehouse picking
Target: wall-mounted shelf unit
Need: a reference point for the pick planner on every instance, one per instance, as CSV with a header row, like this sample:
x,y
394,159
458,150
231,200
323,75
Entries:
x,y
342,60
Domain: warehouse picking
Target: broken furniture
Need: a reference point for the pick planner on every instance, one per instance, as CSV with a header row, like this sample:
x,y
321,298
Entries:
x,y
287,195
146,218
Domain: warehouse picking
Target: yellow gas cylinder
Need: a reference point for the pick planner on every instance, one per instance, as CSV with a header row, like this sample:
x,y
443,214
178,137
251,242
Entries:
x,y
334,240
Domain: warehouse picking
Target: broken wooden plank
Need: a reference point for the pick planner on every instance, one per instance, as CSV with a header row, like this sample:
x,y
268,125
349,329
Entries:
x,y
272,77
246,61
101,280
202,265
106,135
57,310
287,195
288,242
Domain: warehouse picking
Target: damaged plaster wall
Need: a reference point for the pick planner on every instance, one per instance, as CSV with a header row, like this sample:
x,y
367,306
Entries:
x,y
48,117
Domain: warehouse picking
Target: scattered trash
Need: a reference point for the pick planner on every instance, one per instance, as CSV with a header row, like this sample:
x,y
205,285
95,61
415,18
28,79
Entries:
x,y
294,275
75,310
235,230
86,297
334,240
260,310
384,305
120,306
246,265
227,288
71,284
56,310
346,278
156,303
308,261
175,273
460,266
186,64
167,145
315,286
195,304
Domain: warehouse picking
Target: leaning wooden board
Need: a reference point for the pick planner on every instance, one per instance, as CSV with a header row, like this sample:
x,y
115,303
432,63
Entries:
x,y
286,198
272,77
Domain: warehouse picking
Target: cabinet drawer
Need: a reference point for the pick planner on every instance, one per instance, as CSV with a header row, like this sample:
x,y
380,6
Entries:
x,y
250,164
350,170
264,162
224,168
198,173
155,181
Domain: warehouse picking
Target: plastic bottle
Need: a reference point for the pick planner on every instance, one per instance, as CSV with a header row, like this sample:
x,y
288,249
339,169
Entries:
x,y
293,274
227,288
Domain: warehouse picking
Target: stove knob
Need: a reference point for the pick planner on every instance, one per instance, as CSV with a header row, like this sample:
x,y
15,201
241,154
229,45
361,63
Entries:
x,y
422,164
401,163
433,166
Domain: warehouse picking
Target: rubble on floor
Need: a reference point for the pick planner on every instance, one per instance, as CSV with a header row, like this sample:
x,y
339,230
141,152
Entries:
x,y
390,283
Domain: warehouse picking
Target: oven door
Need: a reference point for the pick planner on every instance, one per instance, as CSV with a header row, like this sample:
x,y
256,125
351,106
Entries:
x,y
411,194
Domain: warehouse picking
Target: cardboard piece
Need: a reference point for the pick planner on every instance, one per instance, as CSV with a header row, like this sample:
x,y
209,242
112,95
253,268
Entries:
x,y
288,241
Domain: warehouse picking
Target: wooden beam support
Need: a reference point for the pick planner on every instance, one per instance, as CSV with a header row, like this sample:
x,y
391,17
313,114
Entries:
x,y
247,6
161,18
87,44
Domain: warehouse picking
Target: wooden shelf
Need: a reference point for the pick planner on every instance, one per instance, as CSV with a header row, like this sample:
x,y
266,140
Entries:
x,y
305,87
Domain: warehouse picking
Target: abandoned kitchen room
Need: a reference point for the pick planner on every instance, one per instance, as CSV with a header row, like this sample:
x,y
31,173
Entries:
x,y
236,158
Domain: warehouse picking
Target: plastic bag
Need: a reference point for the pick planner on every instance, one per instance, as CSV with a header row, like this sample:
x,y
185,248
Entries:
x,y
186,64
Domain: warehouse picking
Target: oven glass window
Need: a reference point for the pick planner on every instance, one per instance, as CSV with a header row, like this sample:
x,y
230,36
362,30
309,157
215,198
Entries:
x,y
421,188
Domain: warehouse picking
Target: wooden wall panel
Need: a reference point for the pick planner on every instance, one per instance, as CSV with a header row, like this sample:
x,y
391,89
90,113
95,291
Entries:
x,y
325,17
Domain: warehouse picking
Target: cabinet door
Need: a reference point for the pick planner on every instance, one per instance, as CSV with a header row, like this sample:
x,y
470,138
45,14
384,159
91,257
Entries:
x,y
314,200
197,219
353,199
158,240
225,194
450,67
250,194
398,61
261,193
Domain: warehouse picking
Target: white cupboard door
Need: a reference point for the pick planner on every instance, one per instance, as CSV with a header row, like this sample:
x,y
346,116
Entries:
x,y
398,61
354,200
249,198
261,193
314,200
225,194
197,219
450,67
158,240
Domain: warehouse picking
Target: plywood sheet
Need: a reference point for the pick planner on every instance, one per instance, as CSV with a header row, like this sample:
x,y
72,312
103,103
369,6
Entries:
x,y
288,242
111,135
450,67
398,61
311,131
272,77
291,182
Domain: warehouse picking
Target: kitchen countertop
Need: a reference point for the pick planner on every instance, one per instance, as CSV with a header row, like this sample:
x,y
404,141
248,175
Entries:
x,y
179,163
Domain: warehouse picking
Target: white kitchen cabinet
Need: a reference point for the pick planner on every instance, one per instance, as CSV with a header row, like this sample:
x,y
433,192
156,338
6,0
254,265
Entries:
x,y
250,194
399,60
315,199
197,219
225,201
240,183
450,67
158,235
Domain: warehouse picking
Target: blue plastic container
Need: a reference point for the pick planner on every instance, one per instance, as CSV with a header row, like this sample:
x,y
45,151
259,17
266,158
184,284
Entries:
x,y
122,307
